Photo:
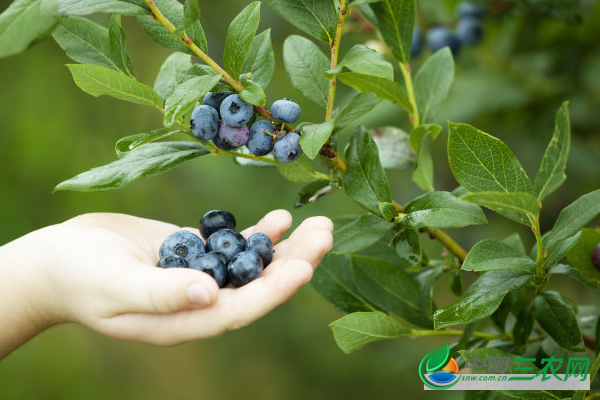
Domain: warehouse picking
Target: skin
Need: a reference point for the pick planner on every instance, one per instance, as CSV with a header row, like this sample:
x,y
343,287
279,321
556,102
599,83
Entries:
x,y
100,270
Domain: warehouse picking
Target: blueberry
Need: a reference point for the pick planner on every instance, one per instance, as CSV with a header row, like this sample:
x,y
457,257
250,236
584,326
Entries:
x,y
439,37
285,111
205,122
287,147
470,9
227,242
172,261
215,220
212,264
235,111
221,144
183,244
244,268
261,244
596,257
261,143
233,136
215,99
417,43
469,31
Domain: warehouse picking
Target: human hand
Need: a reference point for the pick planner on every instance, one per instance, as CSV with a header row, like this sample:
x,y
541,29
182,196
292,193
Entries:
x,y
100,270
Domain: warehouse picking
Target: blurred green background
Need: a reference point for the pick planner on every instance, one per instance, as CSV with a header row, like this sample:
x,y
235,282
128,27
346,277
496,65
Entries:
x,y
510,86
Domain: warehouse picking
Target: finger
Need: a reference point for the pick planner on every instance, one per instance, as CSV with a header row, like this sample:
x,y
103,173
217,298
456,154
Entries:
x,y
273,224
307,224
311,246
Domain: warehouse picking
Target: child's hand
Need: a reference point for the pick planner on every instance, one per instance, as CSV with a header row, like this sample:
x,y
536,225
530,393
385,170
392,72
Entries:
x,y
100,270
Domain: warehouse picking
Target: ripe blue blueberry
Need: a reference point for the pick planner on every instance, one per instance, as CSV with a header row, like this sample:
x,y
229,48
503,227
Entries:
x,y
466,9
285,111
235,111
205,122
261,244
287,147
469,31
182,244
439,37
215,220
417,43
227,242
244,268
172,261
261,143
233,136
212,264
215,99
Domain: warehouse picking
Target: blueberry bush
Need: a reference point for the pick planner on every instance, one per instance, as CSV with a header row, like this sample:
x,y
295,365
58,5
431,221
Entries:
x,y
379,272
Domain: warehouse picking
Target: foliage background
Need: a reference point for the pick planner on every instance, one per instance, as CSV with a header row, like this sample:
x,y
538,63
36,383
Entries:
x,y
510,86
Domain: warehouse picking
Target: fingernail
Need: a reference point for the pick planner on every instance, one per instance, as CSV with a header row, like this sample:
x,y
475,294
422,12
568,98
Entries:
x,y
198,295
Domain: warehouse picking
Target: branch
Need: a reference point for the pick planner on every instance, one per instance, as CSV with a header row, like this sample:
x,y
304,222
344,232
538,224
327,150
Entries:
x,y
406,74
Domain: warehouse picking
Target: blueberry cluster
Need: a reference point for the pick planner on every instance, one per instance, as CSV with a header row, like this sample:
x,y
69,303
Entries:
x,y
468,31
226,256
223,118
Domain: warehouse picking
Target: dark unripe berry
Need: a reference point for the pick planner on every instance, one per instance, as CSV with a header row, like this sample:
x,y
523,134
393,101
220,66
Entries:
x,y
172,261
439,37
205,122
182,244
226,242
466,9
261,244
469,31
233,136
417,43
596,257
285,110
215,99
212,264
261,143
214,221
235,111
244,268
287,147
221,144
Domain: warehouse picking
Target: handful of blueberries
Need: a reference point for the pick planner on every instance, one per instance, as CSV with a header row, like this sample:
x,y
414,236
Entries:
x,y
227,256
235,113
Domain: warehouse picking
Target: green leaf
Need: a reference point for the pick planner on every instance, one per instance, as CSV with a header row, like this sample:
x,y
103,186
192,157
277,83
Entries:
x,y
574,217
564,269
360,105
191,14
390,288
240,36
441,210
421,131
482,298
580,256
515,242
118,50
426,279
359,234
131,142
567,10
173,11
395,22
551,174
523,326
491,254
423,172
388,211
364,60
354,3
148,160
86,7
86,42
334,281
253,94
314,191
24,23
353,331
299,171
260,62
314,136
186,95
560,249
408,247
383,88
521,207
98,81
171,73
392,143
365,180
318,18
305,64
557,318
483,163
432,83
